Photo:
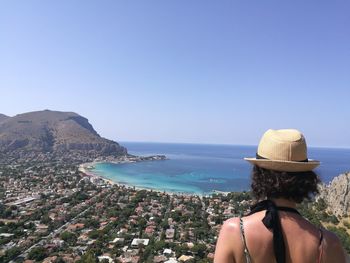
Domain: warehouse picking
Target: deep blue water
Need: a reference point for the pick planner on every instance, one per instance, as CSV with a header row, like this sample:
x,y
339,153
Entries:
x,y
200,169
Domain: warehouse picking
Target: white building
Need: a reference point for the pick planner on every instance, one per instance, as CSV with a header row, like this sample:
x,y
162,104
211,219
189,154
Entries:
x,y
137,241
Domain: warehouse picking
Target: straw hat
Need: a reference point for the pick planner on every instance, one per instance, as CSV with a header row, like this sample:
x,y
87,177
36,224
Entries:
x,y
283,150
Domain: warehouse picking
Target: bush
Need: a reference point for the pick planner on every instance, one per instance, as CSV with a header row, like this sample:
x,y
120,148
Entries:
x,y
321,205
69,237
10,254
88,257
37,253
94,234
199,250
346,224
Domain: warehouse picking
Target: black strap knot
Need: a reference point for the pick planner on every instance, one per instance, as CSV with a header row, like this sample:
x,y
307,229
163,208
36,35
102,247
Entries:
x,y
272,221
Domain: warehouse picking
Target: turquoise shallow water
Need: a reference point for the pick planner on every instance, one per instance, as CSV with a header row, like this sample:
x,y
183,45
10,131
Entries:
x,y
200,169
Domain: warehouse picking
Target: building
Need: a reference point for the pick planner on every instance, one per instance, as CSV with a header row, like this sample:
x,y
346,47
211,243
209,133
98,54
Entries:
x,y
137,241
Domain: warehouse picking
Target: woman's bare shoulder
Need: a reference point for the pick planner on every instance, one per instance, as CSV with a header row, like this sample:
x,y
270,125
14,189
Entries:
x,y
332,247
228,242
231,224
231,229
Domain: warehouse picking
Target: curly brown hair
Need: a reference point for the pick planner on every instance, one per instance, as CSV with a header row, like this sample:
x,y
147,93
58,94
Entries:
x,y
294,186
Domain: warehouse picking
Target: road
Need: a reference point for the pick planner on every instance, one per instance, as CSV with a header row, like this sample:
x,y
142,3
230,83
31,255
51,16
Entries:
x,y
41,242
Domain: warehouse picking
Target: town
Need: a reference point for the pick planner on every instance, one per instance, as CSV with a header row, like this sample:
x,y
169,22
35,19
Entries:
x,y
50,211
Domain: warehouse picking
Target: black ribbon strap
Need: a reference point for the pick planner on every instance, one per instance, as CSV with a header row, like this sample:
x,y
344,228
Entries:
x,y
272,222
260,157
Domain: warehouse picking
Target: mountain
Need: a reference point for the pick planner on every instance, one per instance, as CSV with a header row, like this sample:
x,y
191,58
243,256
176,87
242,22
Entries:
x,y
337,194
3,117
55,132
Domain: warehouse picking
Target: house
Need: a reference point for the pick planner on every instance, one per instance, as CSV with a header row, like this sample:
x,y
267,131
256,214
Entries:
x,y
139,210
170,233
83,238
150,230
190,245
122,231
159,259
75,227
80,249
50,259
110,260
103,224
185,258
6,235
167,251
137,241
131,259
41,228
118,240
171,260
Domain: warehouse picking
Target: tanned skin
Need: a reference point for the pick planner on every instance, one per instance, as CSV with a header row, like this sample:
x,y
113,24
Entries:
x,y
301,240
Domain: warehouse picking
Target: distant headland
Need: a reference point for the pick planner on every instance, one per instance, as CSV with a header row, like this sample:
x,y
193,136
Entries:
x,y
54,132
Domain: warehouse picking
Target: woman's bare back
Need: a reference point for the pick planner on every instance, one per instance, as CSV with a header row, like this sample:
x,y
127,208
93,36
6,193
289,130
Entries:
x,y
302,241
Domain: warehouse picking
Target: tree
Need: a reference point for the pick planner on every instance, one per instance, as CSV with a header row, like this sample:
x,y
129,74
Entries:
x,y
94,234
10,254
199,249
180,249
45,219
141,223
159,245
88,257
69,237
321,205
37,253
91,223
59,260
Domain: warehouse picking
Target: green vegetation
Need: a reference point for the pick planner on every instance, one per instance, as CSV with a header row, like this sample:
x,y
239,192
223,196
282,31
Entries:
x,y
115,212
37,253
69,237
10,254
346,224
88,257
316,213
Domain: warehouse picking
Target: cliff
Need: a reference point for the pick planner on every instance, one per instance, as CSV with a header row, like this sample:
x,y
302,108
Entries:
x,y
337,194
55,132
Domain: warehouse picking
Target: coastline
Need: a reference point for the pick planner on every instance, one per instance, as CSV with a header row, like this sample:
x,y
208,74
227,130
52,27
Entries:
x,y
85,168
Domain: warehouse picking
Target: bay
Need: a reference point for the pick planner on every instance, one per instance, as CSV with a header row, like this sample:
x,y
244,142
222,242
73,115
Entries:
x,y
202,169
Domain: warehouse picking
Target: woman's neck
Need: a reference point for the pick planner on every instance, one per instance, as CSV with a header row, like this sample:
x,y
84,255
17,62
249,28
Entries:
x,y
284,202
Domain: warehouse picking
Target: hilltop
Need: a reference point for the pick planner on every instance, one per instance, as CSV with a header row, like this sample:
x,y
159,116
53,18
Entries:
x,y
59,133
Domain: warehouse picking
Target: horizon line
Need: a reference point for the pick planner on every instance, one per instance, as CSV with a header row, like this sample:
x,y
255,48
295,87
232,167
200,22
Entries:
x,y
224,144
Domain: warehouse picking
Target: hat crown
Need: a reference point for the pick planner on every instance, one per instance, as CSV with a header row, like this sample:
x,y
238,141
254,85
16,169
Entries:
x,y
283,145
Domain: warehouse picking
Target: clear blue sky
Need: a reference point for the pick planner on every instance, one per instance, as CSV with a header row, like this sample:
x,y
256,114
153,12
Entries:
x,y
182,70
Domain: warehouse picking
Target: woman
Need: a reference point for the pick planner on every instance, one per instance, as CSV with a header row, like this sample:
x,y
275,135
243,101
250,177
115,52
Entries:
x,y
274,231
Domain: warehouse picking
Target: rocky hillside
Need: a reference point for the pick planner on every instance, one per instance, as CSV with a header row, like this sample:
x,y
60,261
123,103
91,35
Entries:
x,y
337,194
3,117
54,132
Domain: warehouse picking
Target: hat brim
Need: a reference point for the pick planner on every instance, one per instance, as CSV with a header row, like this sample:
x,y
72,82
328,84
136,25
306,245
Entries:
x,y
284,166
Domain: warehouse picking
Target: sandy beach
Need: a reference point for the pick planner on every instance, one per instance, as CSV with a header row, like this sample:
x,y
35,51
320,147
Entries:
x,y
86,168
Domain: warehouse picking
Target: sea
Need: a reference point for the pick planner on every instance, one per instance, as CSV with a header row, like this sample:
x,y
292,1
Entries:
x,y
204,169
